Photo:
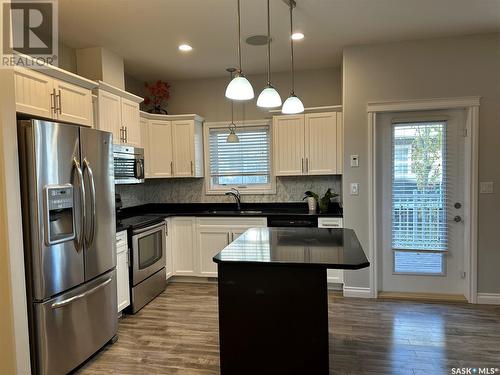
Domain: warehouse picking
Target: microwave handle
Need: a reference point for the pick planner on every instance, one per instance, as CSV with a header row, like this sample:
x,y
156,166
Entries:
x,y
139,169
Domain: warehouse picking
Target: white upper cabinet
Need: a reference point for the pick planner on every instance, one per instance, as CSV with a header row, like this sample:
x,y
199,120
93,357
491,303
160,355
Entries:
x,y
42,95
175,145
310,144
288,140
160,149
183,148
118,113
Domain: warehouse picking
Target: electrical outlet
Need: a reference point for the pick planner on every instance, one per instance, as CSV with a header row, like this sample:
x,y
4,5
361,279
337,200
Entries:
x,y
486,187
354,161
354,188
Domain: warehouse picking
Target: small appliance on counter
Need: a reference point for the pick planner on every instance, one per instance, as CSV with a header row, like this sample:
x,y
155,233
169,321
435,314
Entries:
x,y
147,236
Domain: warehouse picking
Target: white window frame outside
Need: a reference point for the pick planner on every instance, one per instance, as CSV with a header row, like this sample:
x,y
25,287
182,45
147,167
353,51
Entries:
x,y
269,188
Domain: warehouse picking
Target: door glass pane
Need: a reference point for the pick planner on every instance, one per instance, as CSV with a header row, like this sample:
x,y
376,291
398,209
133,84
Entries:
x,y
419,196
149,249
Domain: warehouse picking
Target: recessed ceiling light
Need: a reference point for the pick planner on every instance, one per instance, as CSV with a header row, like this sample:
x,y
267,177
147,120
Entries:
x,y
185,48
297,36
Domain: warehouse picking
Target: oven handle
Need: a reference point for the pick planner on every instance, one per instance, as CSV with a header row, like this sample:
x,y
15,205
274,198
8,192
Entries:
x,y
152,229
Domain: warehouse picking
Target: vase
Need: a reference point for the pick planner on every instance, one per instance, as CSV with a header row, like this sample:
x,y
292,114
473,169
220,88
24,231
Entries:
x,y
158,110
311,203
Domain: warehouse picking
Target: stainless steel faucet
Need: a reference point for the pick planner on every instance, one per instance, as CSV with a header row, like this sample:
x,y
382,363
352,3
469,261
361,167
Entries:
x,y
235,193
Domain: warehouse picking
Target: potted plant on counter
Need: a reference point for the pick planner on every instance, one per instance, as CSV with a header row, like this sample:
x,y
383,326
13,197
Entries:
x,y
312,199
324,202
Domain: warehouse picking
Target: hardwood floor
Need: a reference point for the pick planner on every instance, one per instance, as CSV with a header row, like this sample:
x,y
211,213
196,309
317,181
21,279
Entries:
x,y
177,334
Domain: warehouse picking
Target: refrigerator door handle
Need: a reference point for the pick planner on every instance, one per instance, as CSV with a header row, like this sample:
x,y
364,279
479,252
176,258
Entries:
x,y
67,301
79,240
88,170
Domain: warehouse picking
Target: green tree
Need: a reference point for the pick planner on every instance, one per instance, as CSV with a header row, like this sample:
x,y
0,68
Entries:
x,y
426,156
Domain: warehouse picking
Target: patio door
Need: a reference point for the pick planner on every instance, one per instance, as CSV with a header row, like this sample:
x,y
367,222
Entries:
x,y
421,202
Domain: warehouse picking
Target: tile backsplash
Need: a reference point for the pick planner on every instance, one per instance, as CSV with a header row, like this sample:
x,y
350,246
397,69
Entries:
x,y
288,189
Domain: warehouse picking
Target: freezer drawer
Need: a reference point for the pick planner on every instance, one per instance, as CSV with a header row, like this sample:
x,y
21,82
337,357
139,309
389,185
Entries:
x,y
72,326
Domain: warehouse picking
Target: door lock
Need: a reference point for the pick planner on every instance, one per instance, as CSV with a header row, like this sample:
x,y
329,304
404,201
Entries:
x,y
457,219
458,205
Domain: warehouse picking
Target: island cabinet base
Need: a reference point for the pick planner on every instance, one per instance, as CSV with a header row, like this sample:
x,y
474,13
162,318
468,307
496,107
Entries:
x,y
273,319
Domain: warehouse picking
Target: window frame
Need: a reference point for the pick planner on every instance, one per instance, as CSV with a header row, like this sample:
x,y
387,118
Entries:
x,y
269,188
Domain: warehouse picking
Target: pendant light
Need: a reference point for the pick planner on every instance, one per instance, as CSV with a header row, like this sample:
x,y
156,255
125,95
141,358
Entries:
x,y
239,88
293,104
232,137
269,97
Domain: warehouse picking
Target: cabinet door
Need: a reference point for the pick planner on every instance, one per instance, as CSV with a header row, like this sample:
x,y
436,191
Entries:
x,y
321,143
183,255
144,127
130,120
169,266
183,148
160,149
340,143
34,93
74,103
210,242
122,280
109,115
288,141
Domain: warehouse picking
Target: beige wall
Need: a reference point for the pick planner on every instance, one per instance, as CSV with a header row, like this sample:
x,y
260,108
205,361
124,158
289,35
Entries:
x,y
67,58
451,67
206,96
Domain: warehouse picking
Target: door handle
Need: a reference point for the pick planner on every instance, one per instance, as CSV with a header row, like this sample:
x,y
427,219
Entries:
x,y
80,238
65,302
88,169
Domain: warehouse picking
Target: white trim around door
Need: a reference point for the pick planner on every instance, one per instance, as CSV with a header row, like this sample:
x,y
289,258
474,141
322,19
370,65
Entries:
x,y
471,106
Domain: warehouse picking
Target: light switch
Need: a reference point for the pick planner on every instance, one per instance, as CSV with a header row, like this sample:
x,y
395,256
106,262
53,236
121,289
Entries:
x,y
486,187
354,188
354,161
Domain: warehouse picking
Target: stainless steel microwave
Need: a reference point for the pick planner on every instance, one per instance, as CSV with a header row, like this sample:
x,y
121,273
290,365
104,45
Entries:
x,y
129,164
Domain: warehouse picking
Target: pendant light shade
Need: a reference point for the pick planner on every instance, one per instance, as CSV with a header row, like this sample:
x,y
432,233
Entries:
x,y
239,88
269,97
293,104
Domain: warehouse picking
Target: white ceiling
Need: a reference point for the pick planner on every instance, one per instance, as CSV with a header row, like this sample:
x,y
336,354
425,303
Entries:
x,y
147,32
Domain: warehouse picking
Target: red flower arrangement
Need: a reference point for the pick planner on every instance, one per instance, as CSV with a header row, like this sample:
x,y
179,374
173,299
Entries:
x,y
159,93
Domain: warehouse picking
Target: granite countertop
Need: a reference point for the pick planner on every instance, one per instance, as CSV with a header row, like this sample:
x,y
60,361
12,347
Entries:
x,y
306,247
297,209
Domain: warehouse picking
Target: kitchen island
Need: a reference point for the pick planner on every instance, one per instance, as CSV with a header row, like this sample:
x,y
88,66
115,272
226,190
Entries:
x,y
273,298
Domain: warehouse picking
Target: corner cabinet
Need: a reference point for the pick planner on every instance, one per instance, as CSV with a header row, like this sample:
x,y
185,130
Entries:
x,y
308,144
43,95
174,146
118,113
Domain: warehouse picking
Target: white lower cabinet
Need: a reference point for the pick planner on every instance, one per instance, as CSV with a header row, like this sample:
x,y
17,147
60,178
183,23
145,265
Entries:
x,y
195,241
333,276
122,264
169,266
183,246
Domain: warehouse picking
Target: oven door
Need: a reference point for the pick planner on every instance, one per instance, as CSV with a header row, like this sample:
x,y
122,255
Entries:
x,y
148,252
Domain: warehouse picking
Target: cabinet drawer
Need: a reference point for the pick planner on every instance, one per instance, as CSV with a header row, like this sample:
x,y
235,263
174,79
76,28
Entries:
x,y
330,222
233,222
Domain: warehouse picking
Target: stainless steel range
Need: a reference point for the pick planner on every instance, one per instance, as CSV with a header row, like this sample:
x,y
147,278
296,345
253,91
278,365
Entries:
x,y
148,258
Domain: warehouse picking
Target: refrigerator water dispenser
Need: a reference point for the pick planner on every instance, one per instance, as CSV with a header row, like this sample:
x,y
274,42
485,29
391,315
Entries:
x,y
59,214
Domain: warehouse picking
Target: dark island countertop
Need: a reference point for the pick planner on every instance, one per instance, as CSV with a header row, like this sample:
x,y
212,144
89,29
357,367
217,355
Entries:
x,y
307,247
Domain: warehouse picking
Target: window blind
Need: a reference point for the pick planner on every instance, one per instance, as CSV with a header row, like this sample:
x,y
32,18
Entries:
x,y
243,163
419,186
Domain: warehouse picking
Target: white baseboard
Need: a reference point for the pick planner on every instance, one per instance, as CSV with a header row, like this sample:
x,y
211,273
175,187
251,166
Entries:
x,y
357,292
488,298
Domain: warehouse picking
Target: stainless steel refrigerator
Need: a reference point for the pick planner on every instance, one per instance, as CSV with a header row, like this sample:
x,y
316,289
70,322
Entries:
x,y
69,242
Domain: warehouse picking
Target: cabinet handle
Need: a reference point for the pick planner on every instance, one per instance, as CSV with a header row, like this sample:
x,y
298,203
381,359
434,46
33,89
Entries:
x,y
228,238
192,169
172,168
60,102
53,105
126,134
307,164
302,165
